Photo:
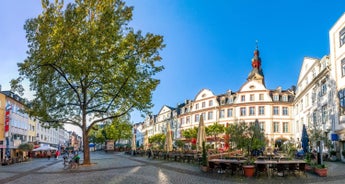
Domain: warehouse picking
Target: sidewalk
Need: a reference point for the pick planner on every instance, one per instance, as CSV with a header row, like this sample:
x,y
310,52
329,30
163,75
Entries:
x,y
117,161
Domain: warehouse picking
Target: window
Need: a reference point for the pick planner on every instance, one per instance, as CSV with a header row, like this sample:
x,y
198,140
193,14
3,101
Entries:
x,y
182,121
196,118
196,106
314,118
285,127
229,112
231,100
203,104
323,88
341,95
261,96
324,114
221,113
222,102
210,103
251,111
261,110
243,98
284,98
210,115
275,110
243,111
276,127
262,126
251,97
343,67
285,111
342,37
188,120
275,97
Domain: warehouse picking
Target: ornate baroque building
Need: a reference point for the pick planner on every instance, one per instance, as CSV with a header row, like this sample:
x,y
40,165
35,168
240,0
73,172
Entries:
x,y
272,108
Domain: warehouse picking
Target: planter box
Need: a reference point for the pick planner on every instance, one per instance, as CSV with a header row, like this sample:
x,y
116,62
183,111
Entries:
x,y
249,170
308,168
321,171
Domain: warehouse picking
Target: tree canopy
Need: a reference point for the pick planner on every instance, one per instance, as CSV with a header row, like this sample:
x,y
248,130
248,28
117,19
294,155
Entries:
x,y
85,65
246,136
190,133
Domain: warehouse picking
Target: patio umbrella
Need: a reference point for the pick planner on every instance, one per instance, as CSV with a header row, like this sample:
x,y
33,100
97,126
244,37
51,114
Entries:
x,y
201,137
134,147
146,141
45,148
305,139
168,139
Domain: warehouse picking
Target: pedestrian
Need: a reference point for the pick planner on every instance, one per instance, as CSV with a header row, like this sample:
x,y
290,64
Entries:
x,y
49,154
57,153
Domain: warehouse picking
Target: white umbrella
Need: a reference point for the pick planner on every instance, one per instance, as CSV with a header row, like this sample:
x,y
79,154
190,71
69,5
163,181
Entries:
x,y
45,148
134,146
168,139
201,137
146,141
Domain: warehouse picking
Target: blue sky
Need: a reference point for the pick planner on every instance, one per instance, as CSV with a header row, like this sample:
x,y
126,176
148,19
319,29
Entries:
x,y
209,44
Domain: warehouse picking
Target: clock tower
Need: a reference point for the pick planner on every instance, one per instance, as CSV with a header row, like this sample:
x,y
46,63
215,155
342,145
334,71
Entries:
x,y
256,73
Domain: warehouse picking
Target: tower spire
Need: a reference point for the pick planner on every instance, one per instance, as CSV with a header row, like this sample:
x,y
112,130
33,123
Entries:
x,y
256,73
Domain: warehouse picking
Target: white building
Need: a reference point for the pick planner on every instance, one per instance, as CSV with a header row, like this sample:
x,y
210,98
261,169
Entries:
x,y
272,108
337,58
315,103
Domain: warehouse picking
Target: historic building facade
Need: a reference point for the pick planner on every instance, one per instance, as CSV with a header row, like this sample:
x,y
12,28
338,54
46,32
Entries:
x,y
315,103
17,127
253,101
337,59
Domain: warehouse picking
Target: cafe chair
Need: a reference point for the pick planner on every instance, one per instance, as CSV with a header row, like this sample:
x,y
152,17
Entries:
x,y
213,167
261,168
293,168
301,169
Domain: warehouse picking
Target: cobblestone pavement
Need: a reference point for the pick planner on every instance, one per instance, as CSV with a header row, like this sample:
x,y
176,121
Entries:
x,y
119,168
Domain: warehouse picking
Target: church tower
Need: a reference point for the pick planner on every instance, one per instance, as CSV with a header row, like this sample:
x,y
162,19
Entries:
x,y
256,73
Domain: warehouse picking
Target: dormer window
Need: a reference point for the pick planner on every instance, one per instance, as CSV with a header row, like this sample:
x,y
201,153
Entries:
x,y
285,98
275,98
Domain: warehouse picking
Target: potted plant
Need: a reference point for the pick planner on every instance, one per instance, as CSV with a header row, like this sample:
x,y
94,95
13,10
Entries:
x,y
249,168
321,170
308,166
204,166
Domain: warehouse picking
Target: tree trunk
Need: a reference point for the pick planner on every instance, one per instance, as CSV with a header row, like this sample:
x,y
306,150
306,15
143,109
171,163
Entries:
x,y
85,141
86,149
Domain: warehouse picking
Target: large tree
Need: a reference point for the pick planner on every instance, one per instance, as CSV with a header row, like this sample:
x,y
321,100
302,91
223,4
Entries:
x,y
85,64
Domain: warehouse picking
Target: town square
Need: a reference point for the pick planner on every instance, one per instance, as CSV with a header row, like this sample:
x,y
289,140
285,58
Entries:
x,y
149,91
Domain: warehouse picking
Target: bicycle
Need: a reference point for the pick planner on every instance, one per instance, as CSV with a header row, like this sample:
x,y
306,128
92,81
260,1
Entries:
x,y
70,164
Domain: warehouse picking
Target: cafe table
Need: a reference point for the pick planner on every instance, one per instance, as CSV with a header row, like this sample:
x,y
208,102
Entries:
x,y
281,165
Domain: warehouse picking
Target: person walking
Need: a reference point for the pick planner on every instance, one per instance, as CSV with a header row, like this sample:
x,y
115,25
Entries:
x,y
57,153
49,154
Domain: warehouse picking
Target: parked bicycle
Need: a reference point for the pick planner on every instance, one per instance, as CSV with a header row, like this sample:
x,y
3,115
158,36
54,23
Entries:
x,y
72,163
